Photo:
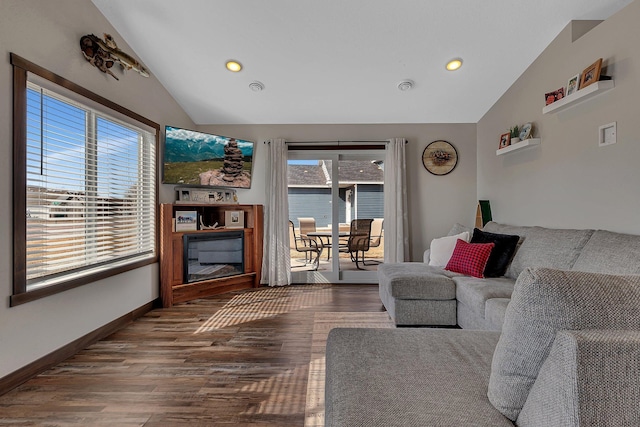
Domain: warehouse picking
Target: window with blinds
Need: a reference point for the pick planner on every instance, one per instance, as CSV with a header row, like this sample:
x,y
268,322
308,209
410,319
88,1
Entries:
x,y
84,185
90,194
90,189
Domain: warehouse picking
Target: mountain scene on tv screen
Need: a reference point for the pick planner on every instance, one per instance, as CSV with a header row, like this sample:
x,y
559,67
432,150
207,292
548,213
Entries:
x,y
196,158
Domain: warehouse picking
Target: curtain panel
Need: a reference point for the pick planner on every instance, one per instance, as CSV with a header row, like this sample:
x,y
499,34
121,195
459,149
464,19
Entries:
x,y
396,241
276,262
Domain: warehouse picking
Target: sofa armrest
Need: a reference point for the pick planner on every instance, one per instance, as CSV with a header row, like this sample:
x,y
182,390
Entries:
x,y
591,377
426,256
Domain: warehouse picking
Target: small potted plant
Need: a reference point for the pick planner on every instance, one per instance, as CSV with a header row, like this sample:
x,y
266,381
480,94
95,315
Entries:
x,y
515,134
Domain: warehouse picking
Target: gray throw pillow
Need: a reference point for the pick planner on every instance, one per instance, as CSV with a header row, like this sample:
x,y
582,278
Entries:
x,y
545,301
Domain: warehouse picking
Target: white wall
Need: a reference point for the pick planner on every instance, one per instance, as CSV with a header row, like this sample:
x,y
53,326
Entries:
x,y
48,33
435,202
568,181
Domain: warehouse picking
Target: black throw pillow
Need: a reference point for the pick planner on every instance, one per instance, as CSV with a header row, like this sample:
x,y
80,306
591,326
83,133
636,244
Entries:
x,y
505,247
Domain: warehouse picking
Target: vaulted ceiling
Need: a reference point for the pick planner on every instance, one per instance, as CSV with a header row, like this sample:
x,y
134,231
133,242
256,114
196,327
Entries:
x,y
341,61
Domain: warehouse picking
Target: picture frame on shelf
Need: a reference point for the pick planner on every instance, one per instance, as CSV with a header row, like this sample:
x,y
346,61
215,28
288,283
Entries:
x,y
184,196
573,84
591,74
205,196
526,131
234,219
505,140
551,97
186,220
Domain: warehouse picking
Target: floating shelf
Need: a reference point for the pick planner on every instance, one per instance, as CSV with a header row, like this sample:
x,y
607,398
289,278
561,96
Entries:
x,y
588,92
518,145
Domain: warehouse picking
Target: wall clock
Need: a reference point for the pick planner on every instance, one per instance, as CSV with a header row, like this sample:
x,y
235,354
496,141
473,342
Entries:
x,y
440,157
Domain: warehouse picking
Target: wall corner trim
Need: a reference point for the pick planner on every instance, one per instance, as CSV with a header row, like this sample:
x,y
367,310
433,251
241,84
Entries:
x,y
581,27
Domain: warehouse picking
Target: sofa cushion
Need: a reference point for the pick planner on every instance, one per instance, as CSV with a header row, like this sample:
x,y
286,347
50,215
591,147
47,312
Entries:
x,y
505,247
611,253
545,301
409,377
470,258
494,312
542,247
474,292
416,280
442,248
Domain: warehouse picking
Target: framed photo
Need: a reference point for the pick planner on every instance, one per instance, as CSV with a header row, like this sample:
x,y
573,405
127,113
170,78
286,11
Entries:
x,y
573,84
234,219
591,74
556,95
525,131
505,140
186,220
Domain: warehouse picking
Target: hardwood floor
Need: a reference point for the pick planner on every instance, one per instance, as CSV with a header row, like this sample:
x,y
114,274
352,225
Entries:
x,y
251,357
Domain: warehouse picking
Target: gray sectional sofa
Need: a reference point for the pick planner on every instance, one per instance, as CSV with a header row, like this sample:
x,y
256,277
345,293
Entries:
x,y
417,294
568,353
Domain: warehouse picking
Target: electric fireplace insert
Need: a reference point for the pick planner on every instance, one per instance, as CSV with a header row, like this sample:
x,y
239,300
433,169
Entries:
x,y
213,255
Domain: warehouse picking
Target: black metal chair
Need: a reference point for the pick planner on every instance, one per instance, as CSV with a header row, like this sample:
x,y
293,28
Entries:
x,y
304,245
359,240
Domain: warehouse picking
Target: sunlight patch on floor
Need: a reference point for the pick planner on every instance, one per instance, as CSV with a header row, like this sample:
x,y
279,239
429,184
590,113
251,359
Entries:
x,y
265,303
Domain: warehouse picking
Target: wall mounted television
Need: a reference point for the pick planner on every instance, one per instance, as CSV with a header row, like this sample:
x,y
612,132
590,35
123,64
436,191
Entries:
x,y
193,158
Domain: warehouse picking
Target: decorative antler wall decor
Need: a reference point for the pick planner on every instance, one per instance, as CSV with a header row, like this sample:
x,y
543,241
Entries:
x,y
102,54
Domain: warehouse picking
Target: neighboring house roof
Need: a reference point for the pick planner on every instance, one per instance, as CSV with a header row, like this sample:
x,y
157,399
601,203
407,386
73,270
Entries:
x,y
350,172
306,176
360,171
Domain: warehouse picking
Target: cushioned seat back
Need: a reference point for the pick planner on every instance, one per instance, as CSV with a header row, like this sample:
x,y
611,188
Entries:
x,y
546,301
542,247
611,253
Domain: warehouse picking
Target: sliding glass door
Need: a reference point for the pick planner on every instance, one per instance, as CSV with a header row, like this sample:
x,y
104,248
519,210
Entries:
x,y
323,211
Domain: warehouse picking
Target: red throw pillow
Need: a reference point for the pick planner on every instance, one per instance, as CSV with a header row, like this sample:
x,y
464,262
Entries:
x,y
470,258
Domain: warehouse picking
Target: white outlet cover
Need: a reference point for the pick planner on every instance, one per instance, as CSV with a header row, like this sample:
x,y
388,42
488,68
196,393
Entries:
x,y
607,134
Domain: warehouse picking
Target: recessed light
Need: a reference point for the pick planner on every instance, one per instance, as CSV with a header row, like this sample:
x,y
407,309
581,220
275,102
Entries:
x,y
234,66
454,64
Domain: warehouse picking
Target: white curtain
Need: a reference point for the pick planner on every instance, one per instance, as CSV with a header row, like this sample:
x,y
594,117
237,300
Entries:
x,y
276,261
396,236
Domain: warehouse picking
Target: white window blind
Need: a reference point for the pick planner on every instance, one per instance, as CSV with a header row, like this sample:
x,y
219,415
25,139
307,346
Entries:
x,y
90,189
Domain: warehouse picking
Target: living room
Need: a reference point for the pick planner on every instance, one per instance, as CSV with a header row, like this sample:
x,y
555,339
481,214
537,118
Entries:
x,y
568,181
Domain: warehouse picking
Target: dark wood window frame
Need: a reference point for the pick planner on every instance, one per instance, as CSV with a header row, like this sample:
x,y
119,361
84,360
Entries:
x,y
20,295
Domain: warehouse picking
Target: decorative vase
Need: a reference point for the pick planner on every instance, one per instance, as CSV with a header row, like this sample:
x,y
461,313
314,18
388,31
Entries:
x,y
515,139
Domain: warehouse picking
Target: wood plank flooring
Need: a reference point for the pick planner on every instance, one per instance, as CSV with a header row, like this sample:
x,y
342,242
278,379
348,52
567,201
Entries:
x,y
252,357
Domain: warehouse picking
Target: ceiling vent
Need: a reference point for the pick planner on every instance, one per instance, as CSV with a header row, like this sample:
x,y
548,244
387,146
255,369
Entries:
x,y
256,86
405,85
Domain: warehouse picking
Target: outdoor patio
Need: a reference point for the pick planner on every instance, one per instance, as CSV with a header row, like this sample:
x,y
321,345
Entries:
x,y
373,254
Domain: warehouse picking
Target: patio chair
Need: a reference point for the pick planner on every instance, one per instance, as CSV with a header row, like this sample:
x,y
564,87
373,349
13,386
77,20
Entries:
x,y
376,232
304,245
376,237
359,239
307,225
